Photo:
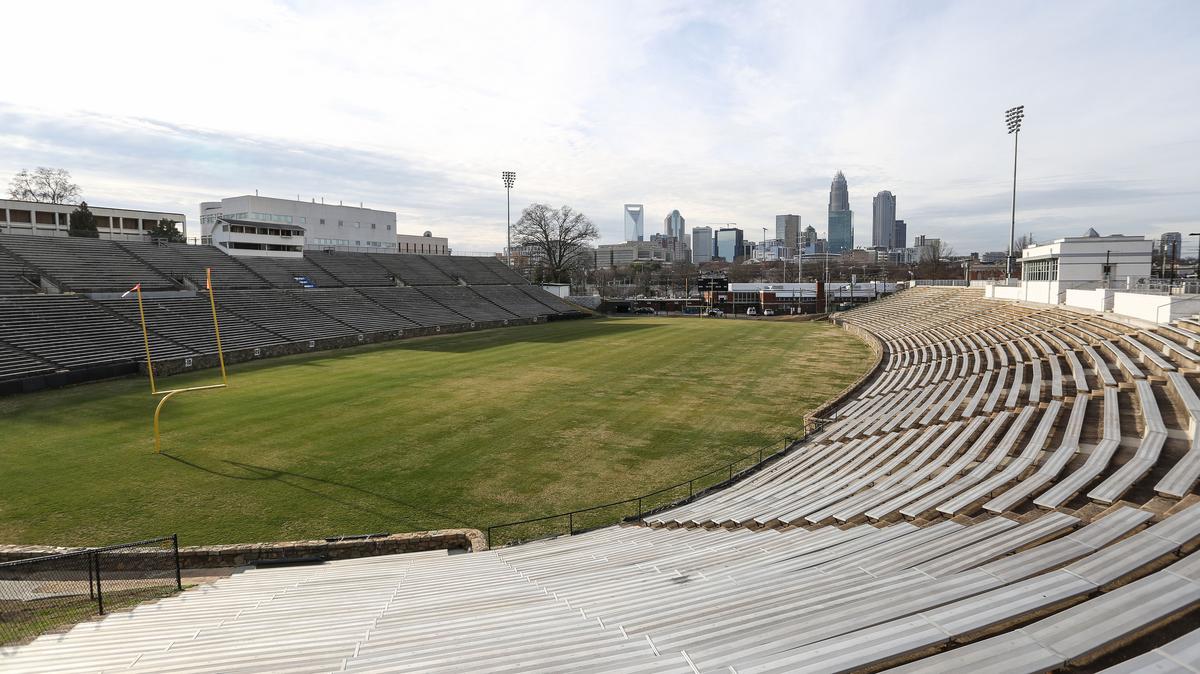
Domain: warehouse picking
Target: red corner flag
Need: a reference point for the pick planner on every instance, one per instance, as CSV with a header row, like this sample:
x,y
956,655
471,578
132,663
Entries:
x,y
132,290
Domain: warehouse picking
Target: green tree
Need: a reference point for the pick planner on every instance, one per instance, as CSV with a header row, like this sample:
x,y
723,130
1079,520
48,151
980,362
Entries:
x,y
166,230
83,223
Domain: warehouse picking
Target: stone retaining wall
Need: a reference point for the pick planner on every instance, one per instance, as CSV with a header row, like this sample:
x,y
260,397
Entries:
x,y
239,554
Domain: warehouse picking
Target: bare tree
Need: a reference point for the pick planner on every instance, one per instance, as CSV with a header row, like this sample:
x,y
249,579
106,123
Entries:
x,y
935,263
560,237
45,185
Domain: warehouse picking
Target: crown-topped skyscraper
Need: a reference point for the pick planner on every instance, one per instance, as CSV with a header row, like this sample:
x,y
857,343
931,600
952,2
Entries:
x,y
841,218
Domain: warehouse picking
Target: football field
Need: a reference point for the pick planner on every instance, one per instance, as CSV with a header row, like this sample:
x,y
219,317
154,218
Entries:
x,y
460,430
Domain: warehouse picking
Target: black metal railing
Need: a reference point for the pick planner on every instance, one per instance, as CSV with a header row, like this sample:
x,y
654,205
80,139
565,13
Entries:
x,y
42,594
638,507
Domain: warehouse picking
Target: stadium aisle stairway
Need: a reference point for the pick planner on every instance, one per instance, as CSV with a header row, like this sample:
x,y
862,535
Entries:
x,y
1012,491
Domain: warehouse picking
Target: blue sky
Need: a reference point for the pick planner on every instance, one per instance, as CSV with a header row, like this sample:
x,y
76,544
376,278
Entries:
x,y
729,112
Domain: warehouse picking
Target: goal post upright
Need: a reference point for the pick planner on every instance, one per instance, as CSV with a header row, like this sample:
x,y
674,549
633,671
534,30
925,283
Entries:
x,y
168,393
212,299
146,339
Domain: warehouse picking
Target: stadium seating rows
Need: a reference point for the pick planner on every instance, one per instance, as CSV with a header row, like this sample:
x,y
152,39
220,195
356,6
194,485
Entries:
x,y
262,302
1012,491
73,332
97,265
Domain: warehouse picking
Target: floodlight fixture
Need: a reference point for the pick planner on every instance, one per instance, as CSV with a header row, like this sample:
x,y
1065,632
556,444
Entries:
x,y
509,178
1013,117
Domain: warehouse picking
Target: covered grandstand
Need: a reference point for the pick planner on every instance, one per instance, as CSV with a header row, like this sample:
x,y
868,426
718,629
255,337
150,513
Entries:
x,y
62,319
1011,491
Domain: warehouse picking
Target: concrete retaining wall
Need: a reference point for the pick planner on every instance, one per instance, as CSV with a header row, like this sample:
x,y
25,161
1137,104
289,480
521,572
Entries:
x,y
240,554
877,350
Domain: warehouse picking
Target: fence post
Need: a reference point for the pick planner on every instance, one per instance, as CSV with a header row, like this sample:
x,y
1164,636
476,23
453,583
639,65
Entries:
x,y
760,454
639,507
731,471
571,523
178,576
99,592
489,538
690,492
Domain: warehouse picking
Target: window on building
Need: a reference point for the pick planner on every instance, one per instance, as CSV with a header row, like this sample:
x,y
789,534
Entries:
x,y
44,218
303,220
340,223
1040,270
322,221
129,223
15,215
389,228
372,225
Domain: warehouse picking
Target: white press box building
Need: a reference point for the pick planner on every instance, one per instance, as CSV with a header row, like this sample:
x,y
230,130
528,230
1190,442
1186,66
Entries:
x,y
270,227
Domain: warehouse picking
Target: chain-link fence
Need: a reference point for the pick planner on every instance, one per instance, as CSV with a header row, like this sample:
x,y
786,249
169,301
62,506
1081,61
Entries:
x,y
43,594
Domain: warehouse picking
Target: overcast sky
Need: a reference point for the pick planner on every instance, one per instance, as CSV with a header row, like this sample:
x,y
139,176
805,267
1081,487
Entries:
x,y
729,112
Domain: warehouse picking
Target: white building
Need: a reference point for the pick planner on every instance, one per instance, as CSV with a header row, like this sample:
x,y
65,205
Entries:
x,y
635,222
265,226
1084,262
1085,271
426,244
30,217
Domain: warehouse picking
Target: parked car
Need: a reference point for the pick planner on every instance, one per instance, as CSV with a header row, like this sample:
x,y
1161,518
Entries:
x,y
752,311
768,312
715,313
644,310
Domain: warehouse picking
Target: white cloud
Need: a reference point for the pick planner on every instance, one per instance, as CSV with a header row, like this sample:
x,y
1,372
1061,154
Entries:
x,y
728,112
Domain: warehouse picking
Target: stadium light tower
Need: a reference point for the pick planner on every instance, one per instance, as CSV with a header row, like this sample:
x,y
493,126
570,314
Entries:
x,y
509,178
1013,117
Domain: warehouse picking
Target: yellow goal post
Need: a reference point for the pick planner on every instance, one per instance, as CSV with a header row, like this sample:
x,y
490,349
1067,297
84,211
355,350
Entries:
x,y
167,394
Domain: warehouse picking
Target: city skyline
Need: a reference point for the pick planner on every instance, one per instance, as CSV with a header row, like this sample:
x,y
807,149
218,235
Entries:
x,y
416,119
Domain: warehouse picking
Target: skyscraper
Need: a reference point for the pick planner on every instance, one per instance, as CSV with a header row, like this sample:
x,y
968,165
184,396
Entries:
x,y
673,225
702,244
841,218
883,220
808,240
635,224
730,244
898,241
787,229
1172,243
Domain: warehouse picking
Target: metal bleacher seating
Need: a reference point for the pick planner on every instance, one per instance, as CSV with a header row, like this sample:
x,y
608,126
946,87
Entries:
x,y
180,261
73,332
15,277
918,530
415,306
290,272
81,264
354,309
262,301
465,269
467,302
353,269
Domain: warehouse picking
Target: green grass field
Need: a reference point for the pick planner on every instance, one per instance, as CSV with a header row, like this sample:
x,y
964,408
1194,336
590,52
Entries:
x,y
460,430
